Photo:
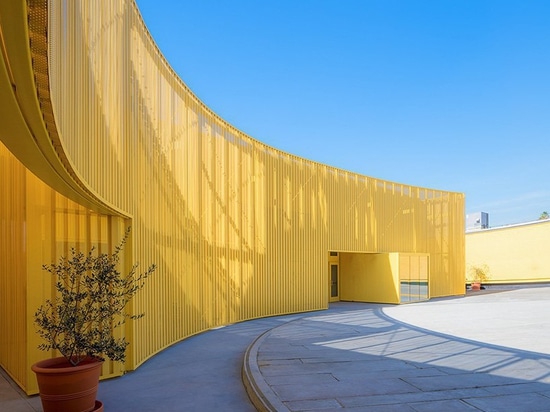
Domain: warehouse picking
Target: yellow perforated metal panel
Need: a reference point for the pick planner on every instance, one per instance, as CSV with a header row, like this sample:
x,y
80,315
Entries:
x,y
238,229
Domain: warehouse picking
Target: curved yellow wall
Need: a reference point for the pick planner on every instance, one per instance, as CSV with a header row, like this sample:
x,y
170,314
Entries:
x,y
239,230
513,254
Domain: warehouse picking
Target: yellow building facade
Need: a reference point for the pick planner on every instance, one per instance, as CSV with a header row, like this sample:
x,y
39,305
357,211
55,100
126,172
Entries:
x,y
511,254
98,133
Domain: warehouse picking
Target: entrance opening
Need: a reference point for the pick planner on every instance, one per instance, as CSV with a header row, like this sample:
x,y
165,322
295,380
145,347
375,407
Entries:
x,y
392,277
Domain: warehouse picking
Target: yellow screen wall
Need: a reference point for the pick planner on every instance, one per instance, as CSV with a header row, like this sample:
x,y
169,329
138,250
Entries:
x,y
238,229
512,254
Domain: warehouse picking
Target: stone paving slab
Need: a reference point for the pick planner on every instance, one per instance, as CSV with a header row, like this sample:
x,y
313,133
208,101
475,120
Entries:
x,y
418,357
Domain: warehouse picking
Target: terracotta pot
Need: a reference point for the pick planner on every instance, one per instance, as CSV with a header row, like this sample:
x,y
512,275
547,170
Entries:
x,y
68,388
476,286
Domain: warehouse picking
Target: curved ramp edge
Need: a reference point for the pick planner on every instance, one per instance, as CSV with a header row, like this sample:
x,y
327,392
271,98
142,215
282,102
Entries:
x,y
258,390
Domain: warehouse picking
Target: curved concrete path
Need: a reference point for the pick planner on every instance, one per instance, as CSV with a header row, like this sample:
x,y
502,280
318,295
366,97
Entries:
x,y
484,352
199,374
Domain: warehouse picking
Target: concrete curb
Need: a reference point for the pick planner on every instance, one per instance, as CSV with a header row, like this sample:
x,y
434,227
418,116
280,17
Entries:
x,y
260,393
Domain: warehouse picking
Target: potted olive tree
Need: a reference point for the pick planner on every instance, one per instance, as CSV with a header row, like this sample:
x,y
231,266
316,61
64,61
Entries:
x,y
478,274
91,297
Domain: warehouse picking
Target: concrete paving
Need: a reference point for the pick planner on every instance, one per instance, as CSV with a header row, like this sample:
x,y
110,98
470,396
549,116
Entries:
x,y
482,352
201,373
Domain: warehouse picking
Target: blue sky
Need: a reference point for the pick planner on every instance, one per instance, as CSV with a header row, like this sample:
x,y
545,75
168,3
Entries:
x,y
445,94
